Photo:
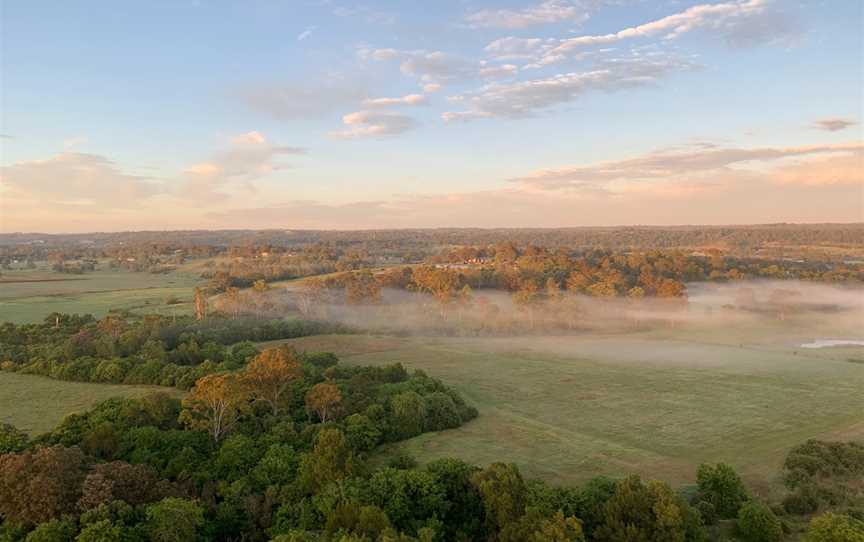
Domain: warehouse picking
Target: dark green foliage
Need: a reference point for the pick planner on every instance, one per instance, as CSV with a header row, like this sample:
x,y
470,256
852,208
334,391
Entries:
x,y
11,439
721,486
174,520
647,512
757,523
503,493
55,530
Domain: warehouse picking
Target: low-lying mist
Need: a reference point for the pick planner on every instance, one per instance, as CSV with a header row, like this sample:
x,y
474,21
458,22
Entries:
x,y
810,308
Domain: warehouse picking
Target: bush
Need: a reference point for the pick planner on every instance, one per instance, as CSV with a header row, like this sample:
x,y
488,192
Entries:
x,y
757,523
830,527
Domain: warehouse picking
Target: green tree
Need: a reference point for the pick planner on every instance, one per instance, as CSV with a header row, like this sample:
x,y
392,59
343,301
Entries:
x,y
100,531
757,523
721,486
174,520
503,492
56,530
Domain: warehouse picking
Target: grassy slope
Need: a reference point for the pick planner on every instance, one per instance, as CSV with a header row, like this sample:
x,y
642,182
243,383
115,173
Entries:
x,y
37,404
95,293
568,408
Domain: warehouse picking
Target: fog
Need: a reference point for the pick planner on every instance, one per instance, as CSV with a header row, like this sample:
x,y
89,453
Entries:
x,y
812,311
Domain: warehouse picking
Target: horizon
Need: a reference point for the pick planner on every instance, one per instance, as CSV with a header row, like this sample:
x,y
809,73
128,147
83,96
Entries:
x,y
462,228
336,115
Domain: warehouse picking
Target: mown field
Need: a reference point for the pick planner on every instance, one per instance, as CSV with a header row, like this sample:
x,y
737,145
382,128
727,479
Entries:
x,y
36,404
31,295
656,403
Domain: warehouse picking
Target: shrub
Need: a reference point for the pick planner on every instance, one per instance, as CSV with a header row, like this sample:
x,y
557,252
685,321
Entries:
x,y
830,527
757,523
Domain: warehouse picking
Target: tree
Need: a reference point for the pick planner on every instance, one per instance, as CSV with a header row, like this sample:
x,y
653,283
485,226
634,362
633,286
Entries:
x,y
646,513
215,403
721,486
174,520
503,492
117,480
270,374
407,414
831,527
56,530
101,531
757,523
323,399
331,460
200,304
41,484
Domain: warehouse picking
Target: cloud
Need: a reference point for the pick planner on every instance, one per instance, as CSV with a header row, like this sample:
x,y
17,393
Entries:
x,y
833,124
364,124
429,66
76,141
362,12
710,163
504,70
302,100
306,33
78,180
843,169
429,88
526,98
741,23
249,156
549,11
410,99
513,48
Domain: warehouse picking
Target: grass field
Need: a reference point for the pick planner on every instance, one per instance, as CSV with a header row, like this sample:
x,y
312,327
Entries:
x,y
656,403
31,295
36,404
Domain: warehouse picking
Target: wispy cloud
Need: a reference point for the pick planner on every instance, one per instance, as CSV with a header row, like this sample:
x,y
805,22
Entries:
x,y
741,23
248,157
78,179
430,66
410,99
833,124
306,33
374,124
708,162
548,11
526,98
302,99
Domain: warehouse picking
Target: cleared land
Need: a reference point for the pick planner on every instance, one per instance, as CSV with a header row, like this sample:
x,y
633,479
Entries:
x,y
657,403
36,404
31,295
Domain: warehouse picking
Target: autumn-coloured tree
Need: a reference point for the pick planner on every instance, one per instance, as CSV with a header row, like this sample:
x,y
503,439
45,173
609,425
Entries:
x,y
323,399
526,298
215,404
200,304
270,374
441,282
41,484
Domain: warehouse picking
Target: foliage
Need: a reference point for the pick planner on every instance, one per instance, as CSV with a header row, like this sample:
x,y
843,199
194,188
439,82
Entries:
x,y
757,523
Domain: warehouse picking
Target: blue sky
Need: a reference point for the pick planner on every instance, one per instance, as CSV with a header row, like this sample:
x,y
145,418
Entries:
x,y
337,114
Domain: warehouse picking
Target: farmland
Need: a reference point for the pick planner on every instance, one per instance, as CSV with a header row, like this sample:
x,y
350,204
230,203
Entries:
x,y
36,404
657,403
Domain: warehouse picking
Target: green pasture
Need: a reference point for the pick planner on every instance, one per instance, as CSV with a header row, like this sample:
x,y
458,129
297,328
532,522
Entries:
x,y
36,404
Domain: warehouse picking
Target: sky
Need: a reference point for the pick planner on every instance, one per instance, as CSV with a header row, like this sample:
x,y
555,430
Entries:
x,y
350,114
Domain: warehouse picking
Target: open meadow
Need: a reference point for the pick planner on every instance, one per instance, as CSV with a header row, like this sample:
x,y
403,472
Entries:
x,y
659,403
31,295
36,404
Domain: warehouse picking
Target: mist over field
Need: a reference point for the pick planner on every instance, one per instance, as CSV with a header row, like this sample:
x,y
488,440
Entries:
x,y
814,311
